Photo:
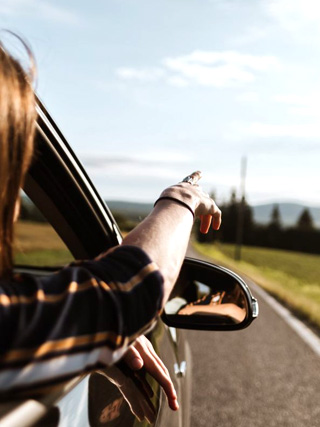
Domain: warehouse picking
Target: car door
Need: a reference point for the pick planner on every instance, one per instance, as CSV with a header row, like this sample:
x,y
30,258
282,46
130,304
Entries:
x,y
59,187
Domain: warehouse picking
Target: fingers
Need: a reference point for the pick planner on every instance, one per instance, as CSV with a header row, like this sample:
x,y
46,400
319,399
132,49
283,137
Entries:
x,y
216,220
193,178
153,352
155,367
207,209
133,359
207,219
141,354
205,223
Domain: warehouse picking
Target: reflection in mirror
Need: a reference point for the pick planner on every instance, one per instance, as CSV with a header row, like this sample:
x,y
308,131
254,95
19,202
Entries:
x,y
207,295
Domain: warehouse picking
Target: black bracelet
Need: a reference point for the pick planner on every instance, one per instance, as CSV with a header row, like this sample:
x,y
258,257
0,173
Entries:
x,y
175,200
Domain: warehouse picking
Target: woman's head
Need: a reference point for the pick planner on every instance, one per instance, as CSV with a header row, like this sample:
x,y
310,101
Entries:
x,y
17,125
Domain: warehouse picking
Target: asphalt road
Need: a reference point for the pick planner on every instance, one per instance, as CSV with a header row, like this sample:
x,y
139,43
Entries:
x,y
264,376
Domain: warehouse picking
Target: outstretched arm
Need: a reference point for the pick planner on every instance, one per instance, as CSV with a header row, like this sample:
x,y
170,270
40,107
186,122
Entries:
x,y
165,233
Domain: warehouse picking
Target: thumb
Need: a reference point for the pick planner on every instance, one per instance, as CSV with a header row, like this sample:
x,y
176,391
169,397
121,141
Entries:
x,y
133,359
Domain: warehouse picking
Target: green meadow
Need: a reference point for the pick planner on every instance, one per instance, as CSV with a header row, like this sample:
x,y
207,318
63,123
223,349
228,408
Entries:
x,y
292,277
37,244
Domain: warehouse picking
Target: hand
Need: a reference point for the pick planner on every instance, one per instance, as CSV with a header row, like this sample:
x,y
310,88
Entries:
x,y
142,353
190,194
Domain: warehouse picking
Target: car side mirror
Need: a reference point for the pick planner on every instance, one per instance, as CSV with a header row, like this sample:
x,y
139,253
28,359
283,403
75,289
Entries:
x,y
209,297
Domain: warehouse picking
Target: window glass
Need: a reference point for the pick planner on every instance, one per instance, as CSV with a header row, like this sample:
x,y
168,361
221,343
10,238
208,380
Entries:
x,y
36,243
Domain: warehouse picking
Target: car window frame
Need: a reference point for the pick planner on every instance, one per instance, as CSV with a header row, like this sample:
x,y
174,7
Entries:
x,y
59,186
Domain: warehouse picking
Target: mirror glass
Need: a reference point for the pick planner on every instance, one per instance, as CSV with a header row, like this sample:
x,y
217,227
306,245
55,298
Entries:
x,y
206,294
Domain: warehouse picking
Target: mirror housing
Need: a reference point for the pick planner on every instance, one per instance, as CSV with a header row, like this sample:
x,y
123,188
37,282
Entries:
x,y
209,297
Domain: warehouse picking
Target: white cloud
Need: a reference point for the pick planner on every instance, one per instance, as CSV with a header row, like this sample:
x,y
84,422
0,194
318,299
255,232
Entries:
x,y
265,130
300,17
217,58
205,68
38,8
142,160
133,171
219,69
293,14
171,156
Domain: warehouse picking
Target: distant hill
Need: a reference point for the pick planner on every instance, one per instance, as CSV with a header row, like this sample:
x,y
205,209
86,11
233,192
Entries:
x,y
131,210
289,211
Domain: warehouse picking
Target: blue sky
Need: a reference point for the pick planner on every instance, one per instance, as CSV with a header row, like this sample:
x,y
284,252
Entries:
x,y
148,91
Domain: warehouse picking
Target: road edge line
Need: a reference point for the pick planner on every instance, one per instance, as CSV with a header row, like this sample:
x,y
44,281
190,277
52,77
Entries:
x,y
309,337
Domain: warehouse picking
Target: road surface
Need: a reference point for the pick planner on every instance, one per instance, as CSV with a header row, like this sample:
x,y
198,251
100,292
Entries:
x,y
265,375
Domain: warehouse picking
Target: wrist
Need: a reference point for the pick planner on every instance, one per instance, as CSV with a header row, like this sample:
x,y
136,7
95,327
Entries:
x,y
177,201
182,193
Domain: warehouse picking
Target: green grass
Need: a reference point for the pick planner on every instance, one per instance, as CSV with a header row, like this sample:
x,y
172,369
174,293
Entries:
x,y
293,277
44,258
37,244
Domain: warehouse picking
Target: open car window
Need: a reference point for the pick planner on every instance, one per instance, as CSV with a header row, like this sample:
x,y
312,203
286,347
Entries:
x,y
62,216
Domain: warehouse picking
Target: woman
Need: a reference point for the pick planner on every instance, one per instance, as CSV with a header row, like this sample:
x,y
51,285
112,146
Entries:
x,y
91,313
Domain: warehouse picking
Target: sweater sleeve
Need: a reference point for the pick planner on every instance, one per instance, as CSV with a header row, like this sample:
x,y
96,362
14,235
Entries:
x,y
78,319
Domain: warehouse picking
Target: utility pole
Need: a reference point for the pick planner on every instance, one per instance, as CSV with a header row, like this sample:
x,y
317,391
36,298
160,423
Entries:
x,y
241,207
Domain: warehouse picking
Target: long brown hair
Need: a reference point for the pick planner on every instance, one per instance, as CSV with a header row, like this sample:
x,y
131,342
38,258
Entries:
x,y
17,126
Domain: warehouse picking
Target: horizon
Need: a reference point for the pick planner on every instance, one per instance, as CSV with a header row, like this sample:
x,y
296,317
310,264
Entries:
x,y
289,212
271,202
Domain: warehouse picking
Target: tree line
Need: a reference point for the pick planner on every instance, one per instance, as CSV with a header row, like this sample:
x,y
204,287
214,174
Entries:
x,y
303,236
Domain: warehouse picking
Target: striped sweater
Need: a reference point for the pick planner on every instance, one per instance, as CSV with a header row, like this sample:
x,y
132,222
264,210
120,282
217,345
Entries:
x,y
81,318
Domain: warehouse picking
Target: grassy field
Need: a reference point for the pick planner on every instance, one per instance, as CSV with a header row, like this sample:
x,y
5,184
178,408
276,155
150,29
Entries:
x,y
292,277
37,244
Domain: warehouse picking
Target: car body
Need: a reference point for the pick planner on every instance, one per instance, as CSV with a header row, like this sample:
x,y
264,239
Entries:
x,y
59,186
